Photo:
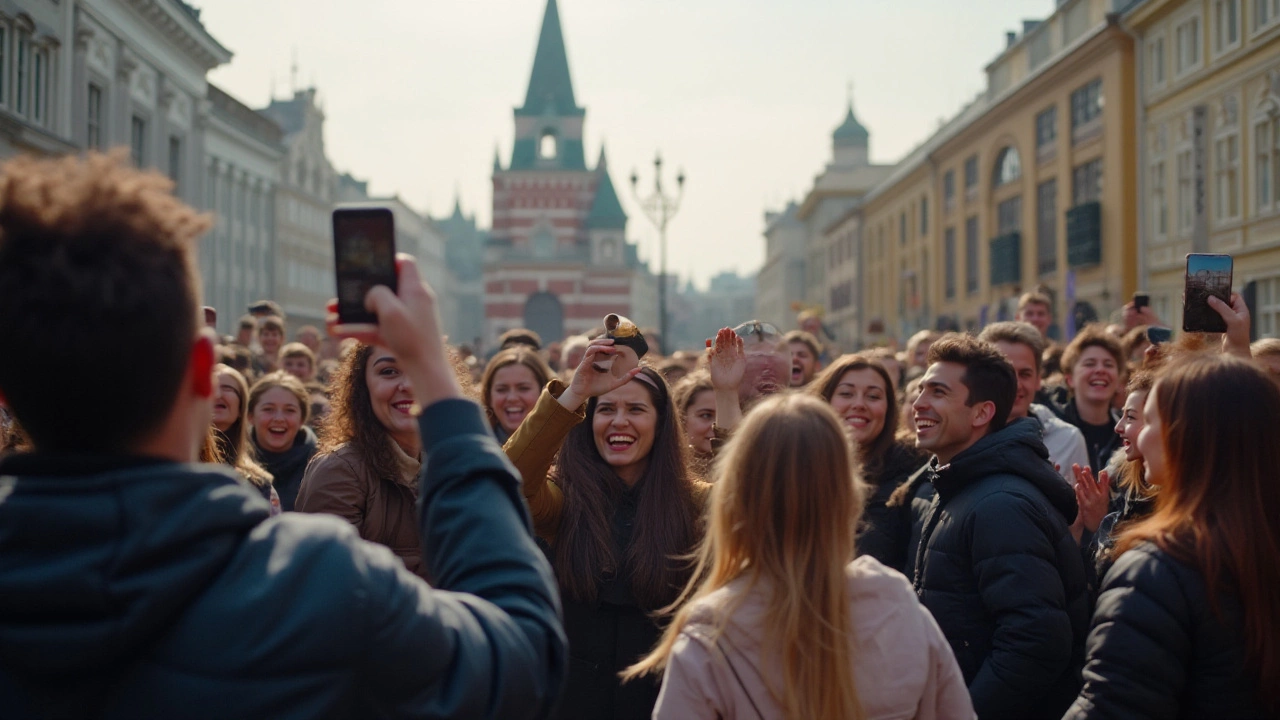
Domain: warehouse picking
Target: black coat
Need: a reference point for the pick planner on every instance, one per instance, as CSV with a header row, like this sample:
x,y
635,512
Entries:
x,y
1157,650
136,589
885,531
1000,572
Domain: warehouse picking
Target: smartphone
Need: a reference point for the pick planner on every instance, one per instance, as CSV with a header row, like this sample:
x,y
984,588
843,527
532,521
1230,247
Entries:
x,y
1141,300
1207,274
364,256
1157,334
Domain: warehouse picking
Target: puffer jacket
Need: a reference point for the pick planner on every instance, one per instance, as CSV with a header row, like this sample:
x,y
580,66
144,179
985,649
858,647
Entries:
x,y
1158,650
142,589
383,510
998,568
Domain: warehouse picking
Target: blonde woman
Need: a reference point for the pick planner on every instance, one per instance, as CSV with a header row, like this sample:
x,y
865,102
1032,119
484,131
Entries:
x,y
780,620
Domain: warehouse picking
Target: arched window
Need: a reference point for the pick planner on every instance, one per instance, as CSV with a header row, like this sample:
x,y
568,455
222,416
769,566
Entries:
x,y
547,145
1008,167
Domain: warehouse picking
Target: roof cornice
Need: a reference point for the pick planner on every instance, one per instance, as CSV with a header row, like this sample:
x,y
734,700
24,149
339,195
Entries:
x,y
183,30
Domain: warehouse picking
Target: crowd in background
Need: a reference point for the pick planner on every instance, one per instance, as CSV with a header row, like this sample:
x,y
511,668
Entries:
x,y
983,525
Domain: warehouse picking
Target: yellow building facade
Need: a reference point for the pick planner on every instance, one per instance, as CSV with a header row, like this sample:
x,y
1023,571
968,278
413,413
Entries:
x,y
1031,185
1223,56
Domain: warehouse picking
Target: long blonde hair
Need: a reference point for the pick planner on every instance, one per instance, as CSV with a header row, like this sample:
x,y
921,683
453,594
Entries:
x,y
784,510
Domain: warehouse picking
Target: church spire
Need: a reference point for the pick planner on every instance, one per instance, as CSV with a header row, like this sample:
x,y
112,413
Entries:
x,y
550,89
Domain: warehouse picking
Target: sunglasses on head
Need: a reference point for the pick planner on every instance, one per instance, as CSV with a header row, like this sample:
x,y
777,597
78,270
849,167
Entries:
x,y
762,331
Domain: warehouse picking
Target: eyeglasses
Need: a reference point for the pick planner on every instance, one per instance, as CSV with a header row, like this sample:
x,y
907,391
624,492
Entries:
x,y
762,331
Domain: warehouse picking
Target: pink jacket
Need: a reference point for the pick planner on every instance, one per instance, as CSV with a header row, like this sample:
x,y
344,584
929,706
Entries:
x,y
902,663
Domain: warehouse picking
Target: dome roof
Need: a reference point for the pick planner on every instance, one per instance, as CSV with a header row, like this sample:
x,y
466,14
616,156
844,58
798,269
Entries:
x,y
850,132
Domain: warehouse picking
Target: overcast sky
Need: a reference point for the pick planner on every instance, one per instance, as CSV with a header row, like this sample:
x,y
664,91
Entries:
x,y
743,94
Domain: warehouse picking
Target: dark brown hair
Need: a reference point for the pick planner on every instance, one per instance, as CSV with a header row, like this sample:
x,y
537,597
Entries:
x,y
1094,335
824,387
351,420
1218,508
666,526
687,390
987,374
807,338
521,354
96,261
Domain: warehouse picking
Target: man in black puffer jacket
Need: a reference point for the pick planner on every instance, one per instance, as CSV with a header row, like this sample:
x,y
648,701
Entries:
x,y
996,563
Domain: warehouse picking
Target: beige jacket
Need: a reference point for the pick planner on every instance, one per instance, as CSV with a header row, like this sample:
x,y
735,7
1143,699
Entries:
x,y
902,663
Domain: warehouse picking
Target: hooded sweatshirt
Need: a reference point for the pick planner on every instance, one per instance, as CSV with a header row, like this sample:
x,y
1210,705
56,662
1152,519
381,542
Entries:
x,y
902,664
999,570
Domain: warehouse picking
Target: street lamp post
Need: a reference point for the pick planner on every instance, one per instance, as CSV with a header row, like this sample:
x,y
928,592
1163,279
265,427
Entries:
x,y
660,208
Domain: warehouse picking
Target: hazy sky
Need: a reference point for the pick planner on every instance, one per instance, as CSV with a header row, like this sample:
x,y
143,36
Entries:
x,y
743,94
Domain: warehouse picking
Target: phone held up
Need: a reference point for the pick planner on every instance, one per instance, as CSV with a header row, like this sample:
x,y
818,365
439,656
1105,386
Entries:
x,y
364,256
1207,275
1141,300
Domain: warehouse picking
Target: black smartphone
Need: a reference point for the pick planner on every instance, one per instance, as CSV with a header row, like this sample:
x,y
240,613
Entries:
x,y
364,256
1157,335
1207,274
1141,300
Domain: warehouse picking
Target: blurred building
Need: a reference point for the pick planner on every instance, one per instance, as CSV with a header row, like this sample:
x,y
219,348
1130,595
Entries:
x,y
696,315
304,280
557,258
464,256
1032,184
781,279
244,153
1223,55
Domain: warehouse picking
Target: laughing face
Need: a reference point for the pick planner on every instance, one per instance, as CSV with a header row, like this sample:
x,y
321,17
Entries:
x,y
700,421
514,393
1023,360
803,364
945,424
391,395
768,370
862,401
624,424
276,420
1095,377
226,402
1130,425
1150,442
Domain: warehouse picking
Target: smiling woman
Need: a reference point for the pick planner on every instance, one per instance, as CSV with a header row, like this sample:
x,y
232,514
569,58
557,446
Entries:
x,y
278,407
370,454
510,387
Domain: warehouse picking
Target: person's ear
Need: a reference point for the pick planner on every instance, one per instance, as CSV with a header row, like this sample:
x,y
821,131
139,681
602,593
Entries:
x,y
983,413
202,362
1066,378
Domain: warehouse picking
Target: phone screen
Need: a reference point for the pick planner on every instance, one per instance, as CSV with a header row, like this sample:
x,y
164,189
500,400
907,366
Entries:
x,y
364,254
1206,275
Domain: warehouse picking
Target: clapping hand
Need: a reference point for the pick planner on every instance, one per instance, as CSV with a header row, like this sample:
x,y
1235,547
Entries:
x,y
1093,499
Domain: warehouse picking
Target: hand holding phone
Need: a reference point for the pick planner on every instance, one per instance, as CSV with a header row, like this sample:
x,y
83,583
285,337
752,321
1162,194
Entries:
x,y
364,255
1208,275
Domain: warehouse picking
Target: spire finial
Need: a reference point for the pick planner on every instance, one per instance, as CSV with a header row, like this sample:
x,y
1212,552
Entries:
x,y
293,71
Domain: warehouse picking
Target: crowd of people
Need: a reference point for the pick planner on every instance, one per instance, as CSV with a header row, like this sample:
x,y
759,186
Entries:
x,y
367,522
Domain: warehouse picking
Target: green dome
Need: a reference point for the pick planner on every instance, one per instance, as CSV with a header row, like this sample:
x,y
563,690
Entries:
x,y
851,132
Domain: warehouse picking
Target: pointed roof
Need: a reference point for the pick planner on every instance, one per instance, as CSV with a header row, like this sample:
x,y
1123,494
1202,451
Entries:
x,y
606,210
550,89
850,132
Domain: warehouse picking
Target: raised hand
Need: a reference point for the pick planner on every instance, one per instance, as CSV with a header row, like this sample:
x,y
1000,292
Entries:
x,y
728,361
1093,499
588,382
1236,315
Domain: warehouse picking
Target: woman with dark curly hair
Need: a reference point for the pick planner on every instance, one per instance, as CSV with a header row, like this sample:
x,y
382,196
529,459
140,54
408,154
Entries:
x,y
366,468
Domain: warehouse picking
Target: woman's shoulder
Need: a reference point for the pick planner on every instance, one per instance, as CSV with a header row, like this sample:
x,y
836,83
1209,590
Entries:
x,y
342,460
869,578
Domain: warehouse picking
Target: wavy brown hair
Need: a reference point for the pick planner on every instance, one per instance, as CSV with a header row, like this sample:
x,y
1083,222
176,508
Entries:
x,y
783,511
824,387
666,527
1218,508
522,354
351,420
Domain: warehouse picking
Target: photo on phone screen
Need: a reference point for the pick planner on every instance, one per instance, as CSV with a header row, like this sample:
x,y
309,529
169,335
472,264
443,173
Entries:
x,y
1157,335
1206,275
364,255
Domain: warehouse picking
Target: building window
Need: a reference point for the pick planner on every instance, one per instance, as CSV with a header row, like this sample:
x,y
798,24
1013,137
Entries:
x,y
971,255
1226,156
1226,25
1268,311
547,146
1186,191
949,251
138,140
1155,61
1008,167
175,162
39,79
902,228
1046,129
924,216
1159,201
1086,108
1265,12
21,62
93,129
1047,227
1186,46
971,174
1009,216
1267,167
949,190
1086,183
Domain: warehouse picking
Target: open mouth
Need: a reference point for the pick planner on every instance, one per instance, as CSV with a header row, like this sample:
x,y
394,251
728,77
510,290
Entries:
x,y
220,406
1100,383
797,373
857,422
619,442
515,414
765,387
925,424
278,433
404,406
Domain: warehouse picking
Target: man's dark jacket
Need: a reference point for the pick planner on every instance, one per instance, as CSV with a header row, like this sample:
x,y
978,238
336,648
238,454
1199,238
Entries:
x,y
999,570
136,589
